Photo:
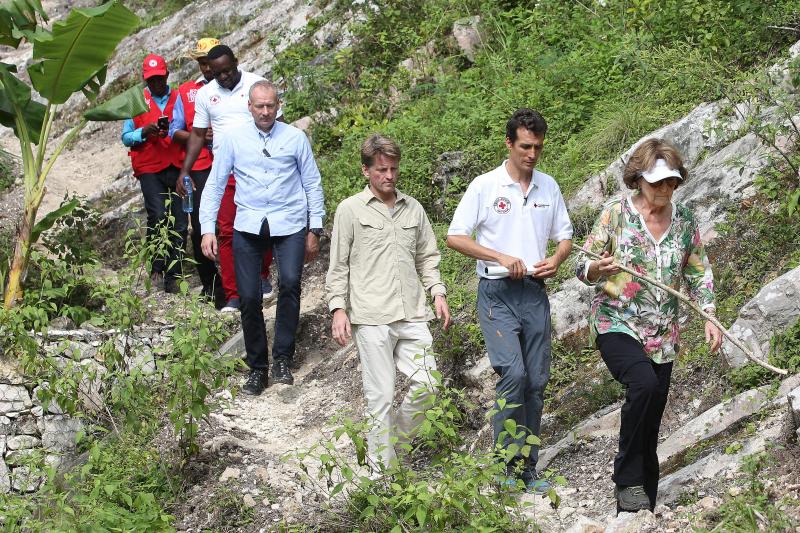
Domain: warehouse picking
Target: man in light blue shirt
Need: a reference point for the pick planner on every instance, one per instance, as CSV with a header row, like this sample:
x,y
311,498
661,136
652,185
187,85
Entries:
x,y
279,203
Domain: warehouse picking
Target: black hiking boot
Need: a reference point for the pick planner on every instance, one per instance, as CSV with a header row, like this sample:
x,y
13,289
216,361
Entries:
x,y
631,499
281,372
256,382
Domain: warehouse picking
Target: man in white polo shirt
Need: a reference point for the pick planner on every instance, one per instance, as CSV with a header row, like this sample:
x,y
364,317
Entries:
x,y
221,105
514,210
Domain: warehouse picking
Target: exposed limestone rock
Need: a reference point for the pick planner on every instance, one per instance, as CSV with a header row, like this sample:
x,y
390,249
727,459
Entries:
x,y
586,525
25,479
718,464
775,308
720,418
5,425
794,406
640,522
449,165
5,480
467,34
59,432
14,398
229,473
604,422
22,442
569,307
480,373
688,134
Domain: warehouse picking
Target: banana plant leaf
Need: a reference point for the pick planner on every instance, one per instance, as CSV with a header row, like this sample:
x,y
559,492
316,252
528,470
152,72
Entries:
x,y
16,95
69,57
18,19
125,105
52,217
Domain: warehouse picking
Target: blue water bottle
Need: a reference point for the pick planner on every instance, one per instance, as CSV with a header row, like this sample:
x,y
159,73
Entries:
x,y
188,200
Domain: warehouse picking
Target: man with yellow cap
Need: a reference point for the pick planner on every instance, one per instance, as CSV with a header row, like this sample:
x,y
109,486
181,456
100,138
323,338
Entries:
x,y
180,127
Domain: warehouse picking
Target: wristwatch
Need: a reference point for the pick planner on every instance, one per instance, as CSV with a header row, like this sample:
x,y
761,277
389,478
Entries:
x,y
316,231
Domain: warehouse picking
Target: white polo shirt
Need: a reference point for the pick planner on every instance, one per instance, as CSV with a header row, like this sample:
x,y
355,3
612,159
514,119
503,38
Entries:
x,y
221,108
504,220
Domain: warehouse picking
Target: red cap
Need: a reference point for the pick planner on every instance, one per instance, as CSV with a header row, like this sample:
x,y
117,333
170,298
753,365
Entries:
x,y
154,66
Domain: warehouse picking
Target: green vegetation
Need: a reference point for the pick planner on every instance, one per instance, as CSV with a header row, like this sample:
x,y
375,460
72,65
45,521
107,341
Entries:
x,y
754,509
602,76
122,481
152,13
8,170
437,485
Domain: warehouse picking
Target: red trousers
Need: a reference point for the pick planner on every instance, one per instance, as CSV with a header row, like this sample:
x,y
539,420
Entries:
x,y
225,218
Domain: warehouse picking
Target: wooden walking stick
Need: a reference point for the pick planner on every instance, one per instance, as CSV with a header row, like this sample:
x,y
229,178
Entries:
x,y
690,303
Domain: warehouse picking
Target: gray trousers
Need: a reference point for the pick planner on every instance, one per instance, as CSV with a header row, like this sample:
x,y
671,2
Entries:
x,y
515,320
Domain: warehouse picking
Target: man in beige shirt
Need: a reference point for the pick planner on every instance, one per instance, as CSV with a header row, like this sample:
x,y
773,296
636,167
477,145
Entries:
x,y
383,260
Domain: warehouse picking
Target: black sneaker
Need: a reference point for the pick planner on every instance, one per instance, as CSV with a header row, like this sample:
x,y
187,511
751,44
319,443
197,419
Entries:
x,y
631,499
256,382
171,285
281,372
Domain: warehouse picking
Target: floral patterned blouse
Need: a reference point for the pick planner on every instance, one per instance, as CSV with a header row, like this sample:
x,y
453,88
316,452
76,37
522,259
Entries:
x,y
625,304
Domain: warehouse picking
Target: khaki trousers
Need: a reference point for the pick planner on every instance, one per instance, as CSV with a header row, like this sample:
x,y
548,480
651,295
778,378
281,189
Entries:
x,y
406,347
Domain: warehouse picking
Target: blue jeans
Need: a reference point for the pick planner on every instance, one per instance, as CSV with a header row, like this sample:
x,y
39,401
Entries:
x,y
157,188
515,321
248,254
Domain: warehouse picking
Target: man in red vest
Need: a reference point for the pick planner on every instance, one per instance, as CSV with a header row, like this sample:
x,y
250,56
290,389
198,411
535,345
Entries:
x,y
153,157
180,128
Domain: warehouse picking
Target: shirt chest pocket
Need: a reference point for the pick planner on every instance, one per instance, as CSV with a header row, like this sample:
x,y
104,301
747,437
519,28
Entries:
x,y
371,230
407,234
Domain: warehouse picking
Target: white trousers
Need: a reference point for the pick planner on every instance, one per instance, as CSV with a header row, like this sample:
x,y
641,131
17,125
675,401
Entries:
x,y
406,346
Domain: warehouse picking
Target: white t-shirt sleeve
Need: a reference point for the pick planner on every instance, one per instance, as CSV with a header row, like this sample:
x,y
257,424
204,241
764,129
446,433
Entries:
x,y
467,214
561,229
202,118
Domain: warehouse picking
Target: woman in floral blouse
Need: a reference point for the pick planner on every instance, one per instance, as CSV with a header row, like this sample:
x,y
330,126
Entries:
x,y
634,324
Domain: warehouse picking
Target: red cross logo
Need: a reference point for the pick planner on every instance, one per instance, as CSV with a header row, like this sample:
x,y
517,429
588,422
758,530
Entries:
x,y
502,205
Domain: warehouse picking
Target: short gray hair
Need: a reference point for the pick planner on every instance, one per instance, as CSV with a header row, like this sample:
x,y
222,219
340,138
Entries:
x,y
262,84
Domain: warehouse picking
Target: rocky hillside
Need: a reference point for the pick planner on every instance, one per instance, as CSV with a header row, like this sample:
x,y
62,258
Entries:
x,y
730,432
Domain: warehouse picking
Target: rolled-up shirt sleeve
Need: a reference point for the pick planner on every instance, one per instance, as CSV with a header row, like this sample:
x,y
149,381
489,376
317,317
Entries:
x,y
312,183
215,186
131,135
337,281
465,218
427,257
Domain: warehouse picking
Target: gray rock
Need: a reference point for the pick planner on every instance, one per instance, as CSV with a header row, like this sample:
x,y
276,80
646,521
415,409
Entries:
x,y
585,524
480,373
569,307
26,425
3,439
633,523
21,457
467,34
718,464
720,418
22,442
14,398
10,374
774,309
605,422
5,425
230,473
59,432
794,406
690,136
5,479
62,322
724,177
25,479
449,165
52,407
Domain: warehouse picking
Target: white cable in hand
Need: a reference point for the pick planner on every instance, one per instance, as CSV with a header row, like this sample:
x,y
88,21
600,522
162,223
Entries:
x,y
503,271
